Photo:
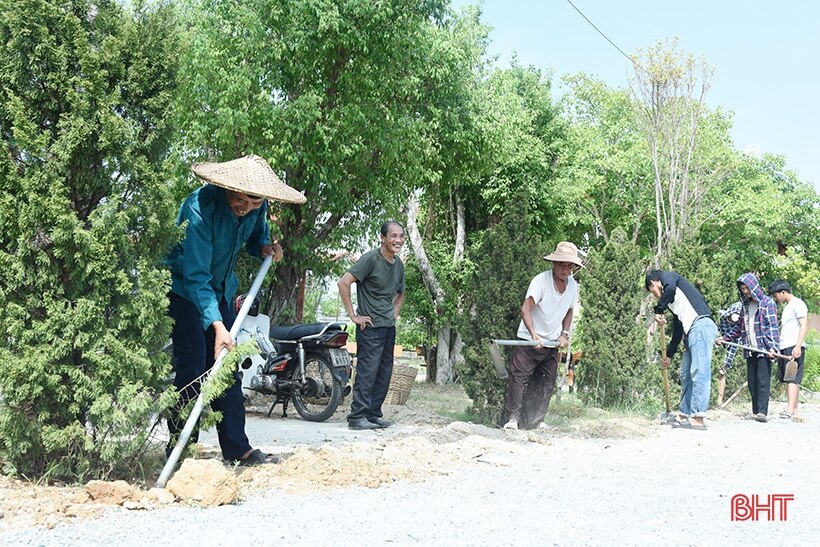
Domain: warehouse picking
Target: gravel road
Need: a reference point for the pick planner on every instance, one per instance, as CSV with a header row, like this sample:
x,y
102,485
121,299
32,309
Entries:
x,y
670,487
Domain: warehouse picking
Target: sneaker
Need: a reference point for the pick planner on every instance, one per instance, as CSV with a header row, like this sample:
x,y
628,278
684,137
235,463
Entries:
x,y
512,424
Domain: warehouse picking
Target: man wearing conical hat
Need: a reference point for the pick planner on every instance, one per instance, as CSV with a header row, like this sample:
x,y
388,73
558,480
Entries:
x,y
227,213
546,315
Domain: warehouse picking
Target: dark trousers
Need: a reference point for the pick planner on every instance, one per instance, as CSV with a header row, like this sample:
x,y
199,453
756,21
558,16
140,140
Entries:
x,y
532,380
759,376
374,367
193,355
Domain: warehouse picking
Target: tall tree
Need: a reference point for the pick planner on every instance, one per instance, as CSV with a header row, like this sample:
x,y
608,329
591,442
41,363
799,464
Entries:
x,y
615,371
502,149
329,91
605,165
670,88
454,111
86,216
504,259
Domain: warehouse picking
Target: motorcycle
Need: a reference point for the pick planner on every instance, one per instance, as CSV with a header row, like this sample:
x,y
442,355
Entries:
x,y
306,364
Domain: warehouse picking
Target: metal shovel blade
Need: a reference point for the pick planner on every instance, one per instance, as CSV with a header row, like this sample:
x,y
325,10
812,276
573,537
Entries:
x,y
790,373
498,360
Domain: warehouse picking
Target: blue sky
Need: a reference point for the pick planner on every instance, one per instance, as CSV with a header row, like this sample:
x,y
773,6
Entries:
x,y
766,57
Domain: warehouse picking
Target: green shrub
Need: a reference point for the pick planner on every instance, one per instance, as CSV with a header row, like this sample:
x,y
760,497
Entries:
x,y
85,215
615,371
503,262
811,364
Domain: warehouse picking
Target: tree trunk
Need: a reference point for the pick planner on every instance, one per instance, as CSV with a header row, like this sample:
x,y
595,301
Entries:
x,y
282,295
448,342
449,354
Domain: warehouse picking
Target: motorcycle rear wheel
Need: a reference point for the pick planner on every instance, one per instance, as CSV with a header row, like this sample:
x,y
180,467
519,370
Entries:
x,y
318,407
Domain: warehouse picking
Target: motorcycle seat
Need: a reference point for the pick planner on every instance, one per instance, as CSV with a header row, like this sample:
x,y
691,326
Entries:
x,y
294,332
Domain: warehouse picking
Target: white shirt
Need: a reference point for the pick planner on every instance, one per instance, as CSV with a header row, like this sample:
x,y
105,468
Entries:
x,y
683,310
550,306
790,322
750,323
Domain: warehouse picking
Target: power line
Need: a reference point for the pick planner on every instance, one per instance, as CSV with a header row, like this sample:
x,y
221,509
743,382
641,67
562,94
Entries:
x,y
631,60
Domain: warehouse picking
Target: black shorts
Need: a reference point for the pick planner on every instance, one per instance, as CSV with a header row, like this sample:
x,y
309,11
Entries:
x,y
781,366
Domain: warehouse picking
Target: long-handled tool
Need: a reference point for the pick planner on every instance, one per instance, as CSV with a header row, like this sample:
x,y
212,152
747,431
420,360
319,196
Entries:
x,y
732,398
789,374
200,400
498,359
666,415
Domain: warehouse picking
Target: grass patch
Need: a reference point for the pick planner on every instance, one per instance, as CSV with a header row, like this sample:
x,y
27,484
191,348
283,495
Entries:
x,y
449,401
569,411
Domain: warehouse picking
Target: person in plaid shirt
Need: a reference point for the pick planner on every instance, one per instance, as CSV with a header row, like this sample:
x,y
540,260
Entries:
x,y
728,319
757,328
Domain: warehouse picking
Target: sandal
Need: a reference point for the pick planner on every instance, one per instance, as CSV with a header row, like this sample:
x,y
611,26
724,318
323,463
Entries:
x,y
785,416
690,425
681,423
257,457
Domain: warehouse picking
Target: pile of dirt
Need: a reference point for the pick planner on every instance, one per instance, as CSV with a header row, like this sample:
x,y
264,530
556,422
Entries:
x,y
436,446
375,464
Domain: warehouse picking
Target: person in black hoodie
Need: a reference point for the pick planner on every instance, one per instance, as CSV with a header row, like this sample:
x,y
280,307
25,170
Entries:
x,y
757,328
694,325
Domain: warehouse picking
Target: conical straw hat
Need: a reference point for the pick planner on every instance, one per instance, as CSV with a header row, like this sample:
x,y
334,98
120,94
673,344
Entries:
x,y
249,175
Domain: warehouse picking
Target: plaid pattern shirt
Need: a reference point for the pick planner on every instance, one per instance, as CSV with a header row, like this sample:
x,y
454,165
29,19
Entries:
x,y
728,319
767,333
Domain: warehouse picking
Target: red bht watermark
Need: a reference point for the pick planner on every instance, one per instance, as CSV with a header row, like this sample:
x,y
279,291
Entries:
x,y
773,507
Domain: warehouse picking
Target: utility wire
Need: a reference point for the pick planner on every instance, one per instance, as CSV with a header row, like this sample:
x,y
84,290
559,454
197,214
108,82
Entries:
x,y
631,60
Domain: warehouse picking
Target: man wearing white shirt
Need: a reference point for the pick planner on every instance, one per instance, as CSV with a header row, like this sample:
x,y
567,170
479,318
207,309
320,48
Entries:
x,y
794,325
546,315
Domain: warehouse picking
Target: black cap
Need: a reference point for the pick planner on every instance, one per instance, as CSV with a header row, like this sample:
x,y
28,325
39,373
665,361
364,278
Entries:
x,y
780,285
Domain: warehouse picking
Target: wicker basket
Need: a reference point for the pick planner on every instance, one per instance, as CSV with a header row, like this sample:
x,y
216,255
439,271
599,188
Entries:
x,y
404,376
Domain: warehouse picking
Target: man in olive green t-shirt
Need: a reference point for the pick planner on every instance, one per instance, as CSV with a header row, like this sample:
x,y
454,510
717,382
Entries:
x,y
379,278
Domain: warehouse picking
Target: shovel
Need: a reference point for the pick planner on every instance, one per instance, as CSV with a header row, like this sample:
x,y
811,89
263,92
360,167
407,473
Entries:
x,y
789,374
666,415
190,424
498,359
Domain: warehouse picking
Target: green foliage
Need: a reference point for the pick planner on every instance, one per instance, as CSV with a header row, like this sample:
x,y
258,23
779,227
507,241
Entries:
x,y
605,169
615,371
524,132
811,363
505,259
86,216
803,275
330,93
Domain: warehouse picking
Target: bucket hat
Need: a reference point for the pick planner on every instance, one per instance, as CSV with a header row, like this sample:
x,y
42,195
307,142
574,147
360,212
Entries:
x,y
565,252
249,175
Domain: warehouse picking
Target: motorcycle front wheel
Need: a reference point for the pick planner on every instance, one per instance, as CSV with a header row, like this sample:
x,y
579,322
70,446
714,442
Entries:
x,y
322,392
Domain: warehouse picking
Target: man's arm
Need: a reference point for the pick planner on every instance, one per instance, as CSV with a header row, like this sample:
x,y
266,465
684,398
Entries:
x,y
566,325
801,336
730,357
526,317
398,300
344,293
771,332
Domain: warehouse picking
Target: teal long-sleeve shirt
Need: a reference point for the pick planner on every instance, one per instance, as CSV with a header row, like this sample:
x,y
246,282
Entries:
x,y
202,264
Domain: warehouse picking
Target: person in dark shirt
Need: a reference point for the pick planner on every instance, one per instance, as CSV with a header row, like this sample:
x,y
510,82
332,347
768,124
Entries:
x,y
694,325
379,278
